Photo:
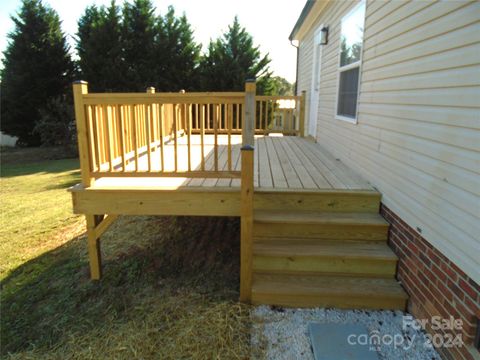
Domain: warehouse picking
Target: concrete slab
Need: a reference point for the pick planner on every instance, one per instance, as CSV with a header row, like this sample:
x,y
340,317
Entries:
x,y
340,341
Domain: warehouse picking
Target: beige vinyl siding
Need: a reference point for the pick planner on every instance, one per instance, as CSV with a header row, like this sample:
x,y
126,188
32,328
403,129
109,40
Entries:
x,y
418,134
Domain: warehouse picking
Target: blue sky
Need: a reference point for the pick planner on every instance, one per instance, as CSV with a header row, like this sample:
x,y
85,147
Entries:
x,y
269,21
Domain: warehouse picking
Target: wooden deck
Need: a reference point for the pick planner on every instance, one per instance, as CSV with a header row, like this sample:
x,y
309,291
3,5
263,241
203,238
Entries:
x,y
281,162
310,231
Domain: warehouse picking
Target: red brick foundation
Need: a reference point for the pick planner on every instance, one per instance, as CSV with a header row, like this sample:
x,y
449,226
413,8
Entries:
x,y
436,286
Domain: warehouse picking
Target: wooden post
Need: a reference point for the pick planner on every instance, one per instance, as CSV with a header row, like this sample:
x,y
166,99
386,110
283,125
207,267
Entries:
x,y
79,89
94,253
248,128
302,114
247,189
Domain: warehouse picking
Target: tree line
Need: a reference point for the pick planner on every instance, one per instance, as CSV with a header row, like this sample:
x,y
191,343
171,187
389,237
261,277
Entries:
x,y
119,48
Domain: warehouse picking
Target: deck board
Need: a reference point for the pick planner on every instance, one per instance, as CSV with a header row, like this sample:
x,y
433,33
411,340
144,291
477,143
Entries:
x,y
278,175
318,178
281,163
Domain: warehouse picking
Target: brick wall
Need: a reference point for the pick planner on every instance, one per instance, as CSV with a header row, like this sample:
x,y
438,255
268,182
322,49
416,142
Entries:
x,y
436,286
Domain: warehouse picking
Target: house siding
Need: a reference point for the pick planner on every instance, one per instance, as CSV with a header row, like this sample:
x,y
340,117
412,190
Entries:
x,y
418,133
417,138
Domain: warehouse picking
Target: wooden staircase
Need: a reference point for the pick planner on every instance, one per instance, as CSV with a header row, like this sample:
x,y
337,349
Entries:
x,y
323,249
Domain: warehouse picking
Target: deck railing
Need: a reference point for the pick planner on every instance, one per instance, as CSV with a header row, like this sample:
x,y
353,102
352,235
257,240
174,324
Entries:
x,y
150,134
274,114
278,114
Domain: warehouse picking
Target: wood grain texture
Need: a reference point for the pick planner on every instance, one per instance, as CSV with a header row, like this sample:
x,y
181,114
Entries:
x,y
79,91
298,256
328,291
246,225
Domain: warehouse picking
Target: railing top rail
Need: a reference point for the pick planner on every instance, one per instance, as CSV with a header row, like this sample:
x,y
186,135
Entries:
x,y
176,98
277,97
166,98
172,94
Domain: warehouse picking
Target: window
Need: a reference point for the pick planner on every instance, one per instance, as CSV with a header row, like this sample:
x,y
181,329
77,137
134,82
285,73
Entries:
x,y
351,39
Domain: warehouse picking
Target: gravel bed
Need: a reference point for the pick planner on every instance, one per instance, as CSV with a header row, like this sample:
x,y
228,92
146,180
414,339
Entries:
x,y
282,333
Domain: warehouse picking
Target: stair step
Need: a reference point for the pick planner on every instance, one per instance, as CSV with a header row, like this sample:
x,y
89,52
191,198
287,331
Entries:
x,y
318,200
312,256
320,225
327,291
317,217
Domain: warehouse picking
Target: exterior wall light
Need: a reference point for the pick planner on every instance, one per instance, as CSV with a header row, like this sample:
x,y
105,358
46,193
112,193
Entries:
x,y
324,36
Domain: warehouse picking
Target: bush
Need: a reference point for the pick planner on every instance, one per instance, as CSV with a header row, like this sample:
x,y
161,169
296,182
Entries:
x,y
56,126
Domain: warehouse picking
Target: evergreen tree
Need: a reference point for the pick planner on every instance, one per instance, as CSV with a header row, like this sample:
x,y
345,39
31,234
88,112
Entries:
x,y
177,54
100,48
37,67
233,58
281,86
139,35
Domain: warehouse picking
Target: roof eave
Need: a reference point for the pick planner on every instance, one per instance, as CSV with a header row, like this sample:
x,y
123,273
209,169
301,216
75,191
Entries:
x,y
301,19
312,9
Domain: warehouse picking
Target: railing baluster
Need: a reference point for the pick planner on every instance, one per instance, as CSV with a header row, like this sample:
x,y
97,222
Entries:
x,y
133,111
237,116
96,151
122,141
128,129
267,113
215,134
112,131
229,116
272,115
260,120
90,138
197,119
148,136
160,130
108,138
101,137
175,148
202,134
188,114
208,116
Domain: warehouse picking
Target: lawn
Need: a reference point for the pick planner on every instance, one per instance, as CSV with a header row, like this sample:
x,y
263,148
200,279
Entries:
x,y
170,285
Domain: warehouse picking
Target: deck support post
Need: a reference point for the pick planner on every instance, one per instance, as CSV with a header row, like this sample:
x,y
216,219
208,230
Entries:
x,y
96,226
246,205
302,114
94,253
80,88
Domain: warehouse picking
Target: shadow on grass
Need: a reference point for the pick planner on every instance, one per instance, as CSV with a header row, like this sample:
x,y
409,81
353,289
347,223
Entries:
x,y
64,182
51,299
45,166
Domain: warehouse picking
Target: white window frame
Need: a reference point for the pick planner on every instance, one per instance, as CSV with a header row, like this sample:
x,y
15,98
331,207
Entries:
x,y
356,64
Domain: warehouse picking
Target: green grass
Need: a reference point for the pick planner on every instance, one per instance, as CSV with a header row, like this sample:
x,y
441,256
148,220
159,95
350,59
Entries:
x,y
35,207
170,285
